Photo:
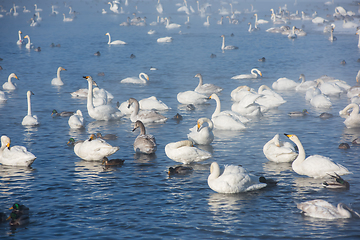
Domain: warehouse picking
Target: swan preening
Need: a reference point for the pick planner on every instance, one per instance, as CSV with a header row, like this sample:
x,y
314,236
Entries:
x,y
228,47
9,85
352,120
144,143
57,81
116,42
30,120
102,112
322,209
15,155
185,152
200,134
278,151
76,121
254,74
315,166
234,179
93,149
143,77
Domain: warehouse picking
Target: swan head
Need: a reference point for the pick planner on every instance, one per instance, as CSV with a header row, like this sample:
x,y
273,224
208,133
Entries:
x,y
29,93
20,32
107,34
138,124
222,36
62,69
198,75
13,75
131,101
5,141
292,137
27,36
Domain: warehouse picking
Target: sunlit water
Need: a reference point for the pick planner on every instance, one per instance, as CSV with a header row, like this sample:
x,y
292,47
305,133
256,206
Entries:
x,y
74,199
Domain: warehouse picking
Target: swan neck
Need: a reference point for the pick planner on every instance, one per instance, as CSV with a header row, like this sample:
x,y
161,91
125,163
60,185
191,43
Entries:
x,y
142,129
109,39
211,125
29,104
214,171
223,43
355,108
58,73
301,157
90,96
218,106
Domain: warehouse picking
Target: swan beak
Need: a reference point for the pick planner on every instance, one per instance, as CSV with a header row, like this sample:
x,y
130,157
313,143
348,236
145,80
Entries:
x,y
357,33
8,145
260,74
134,129
63,69
288,135
198,127
86,77
92,137
17,77
147,78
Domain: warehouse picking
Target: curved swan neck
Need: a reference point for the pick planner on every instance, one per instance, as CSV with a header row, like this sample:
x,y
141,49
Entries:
x,y
142,76
29,102
214,171
142,127
262,88
342,211
355,108
109,38
136,106
211,125
218,104
301,157
200,80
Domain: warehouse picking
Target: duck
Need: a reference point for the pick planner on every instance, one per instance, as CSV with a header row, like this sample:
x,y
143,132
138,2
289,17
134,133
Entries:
x,y
9,85
116,42
200,134
112,162
192,97
18,219
15,155
304,85
20,41
298,113
284,84
143,77
226,120
185,152
253,74
145,116
278,151
102,112
352,120
234,179
339,183
61,114
180,170
315,166
19,208
228,47
76,121
144,143
322,209
30,120
57,81
93,149
206,88
106,136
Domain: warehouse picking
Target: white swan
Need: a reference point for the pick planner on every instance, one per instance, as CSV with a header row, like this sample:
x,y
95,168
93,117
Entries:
x,y
26,10
315,166
283,84
102,112
9,85
248,106
200,134
240,92
191,97
76,120
304,85
37,9
144,143
20,41
164,39
269,99
185,152
143,77
278,151
260,21
320,101
145,116
114,7
207,88
28,45
171,25
30,120
358,33
15,155
330,87
57,81
292,34
322,209
93,149
226,120
33,23
228,47
234,179
254,74
152,103
207,23
159,7
38,18
2,96
352,120
65,19
116,42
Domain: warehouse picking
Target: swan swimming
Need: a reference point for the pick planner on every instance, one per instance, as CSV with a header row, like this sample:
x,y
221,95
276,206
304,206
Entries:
x,y
116,42
144,143
102,112
206,88
185,152
315,166
278,151
283,84
322,209
228,47
30,120
143,77
57,81
352,120
9,85
145,116
20,41
254,74
15,155
200,134
28,45
76,121
234,179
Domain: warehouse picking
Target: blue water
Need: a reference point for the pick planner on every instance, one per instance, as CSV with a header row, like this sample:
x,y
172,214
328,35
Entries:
x,y
74,199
